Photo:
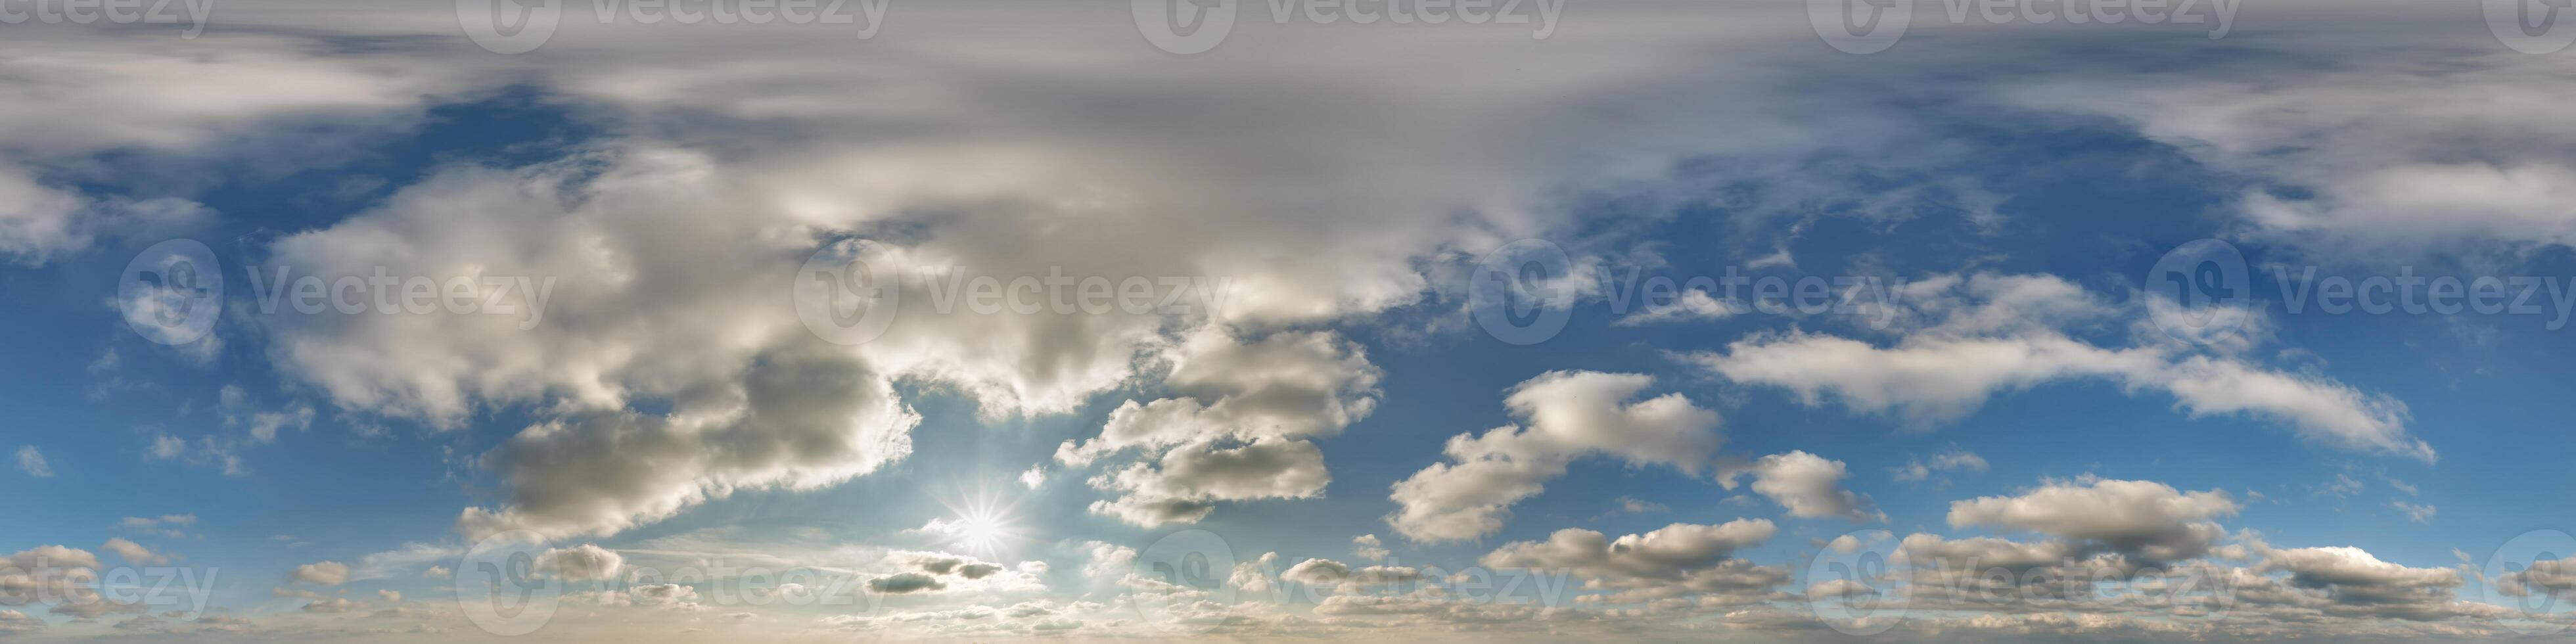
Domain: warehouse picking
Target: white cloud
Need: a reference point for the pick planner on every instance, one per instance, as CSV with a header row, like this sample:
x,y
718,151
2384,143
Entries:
x,y
1565,415
1808,485
2135,518
584,562
1968,339
2421,513
134,553
33,463
322,573
1671,561
1368,547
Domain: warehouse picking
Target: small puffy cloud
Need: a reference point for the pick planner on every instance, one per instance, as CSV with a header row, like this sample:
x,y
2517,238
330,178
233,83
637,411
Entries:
x,y
33,463
1954,460
1368,547
1809,486
1673,561
333,605
390,596
2421,513
580,563
1565,415
323,573
437,572
1317,572
134,553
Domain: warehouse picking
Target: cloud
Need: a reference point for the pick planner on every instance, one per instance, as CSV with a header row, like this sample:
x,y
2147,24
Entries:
x,y
2136,518
1672,561
1967,339
1565,415
1368,547
33,463
134,553
907,582
324,573
2420,513
580,563
1959,460
1808,485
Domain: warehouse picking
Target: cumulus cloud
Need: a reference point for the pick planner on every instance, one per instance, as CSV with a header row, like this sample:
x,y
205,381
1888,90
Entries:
x,y
1368,547
1565,415
585,562
2136,518
134,553
323,573
1679,559
1809,486
1953,460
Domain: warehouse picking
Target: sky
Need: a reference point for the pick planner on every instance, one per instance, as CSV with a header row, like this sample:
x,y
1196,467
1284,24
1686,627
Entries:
x,y
990,320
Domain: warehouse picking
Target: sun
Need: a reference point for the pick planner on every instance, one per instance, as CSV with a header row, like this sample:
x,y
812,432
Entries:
x,y
982,524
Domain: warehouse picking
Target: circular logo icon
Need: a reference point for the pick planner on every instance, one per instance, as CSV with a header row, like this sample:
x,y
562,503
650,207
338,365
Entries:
x,y
1519,293
499,588
2512,581
172,292
2199,293
1184,26
1178,572
2531,26
1851,585
509,26
1860,26
847,293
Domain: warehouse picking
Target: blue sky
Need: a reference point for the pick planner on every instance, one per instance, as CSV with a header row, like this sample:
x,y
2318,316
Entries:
x,y
2005,392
